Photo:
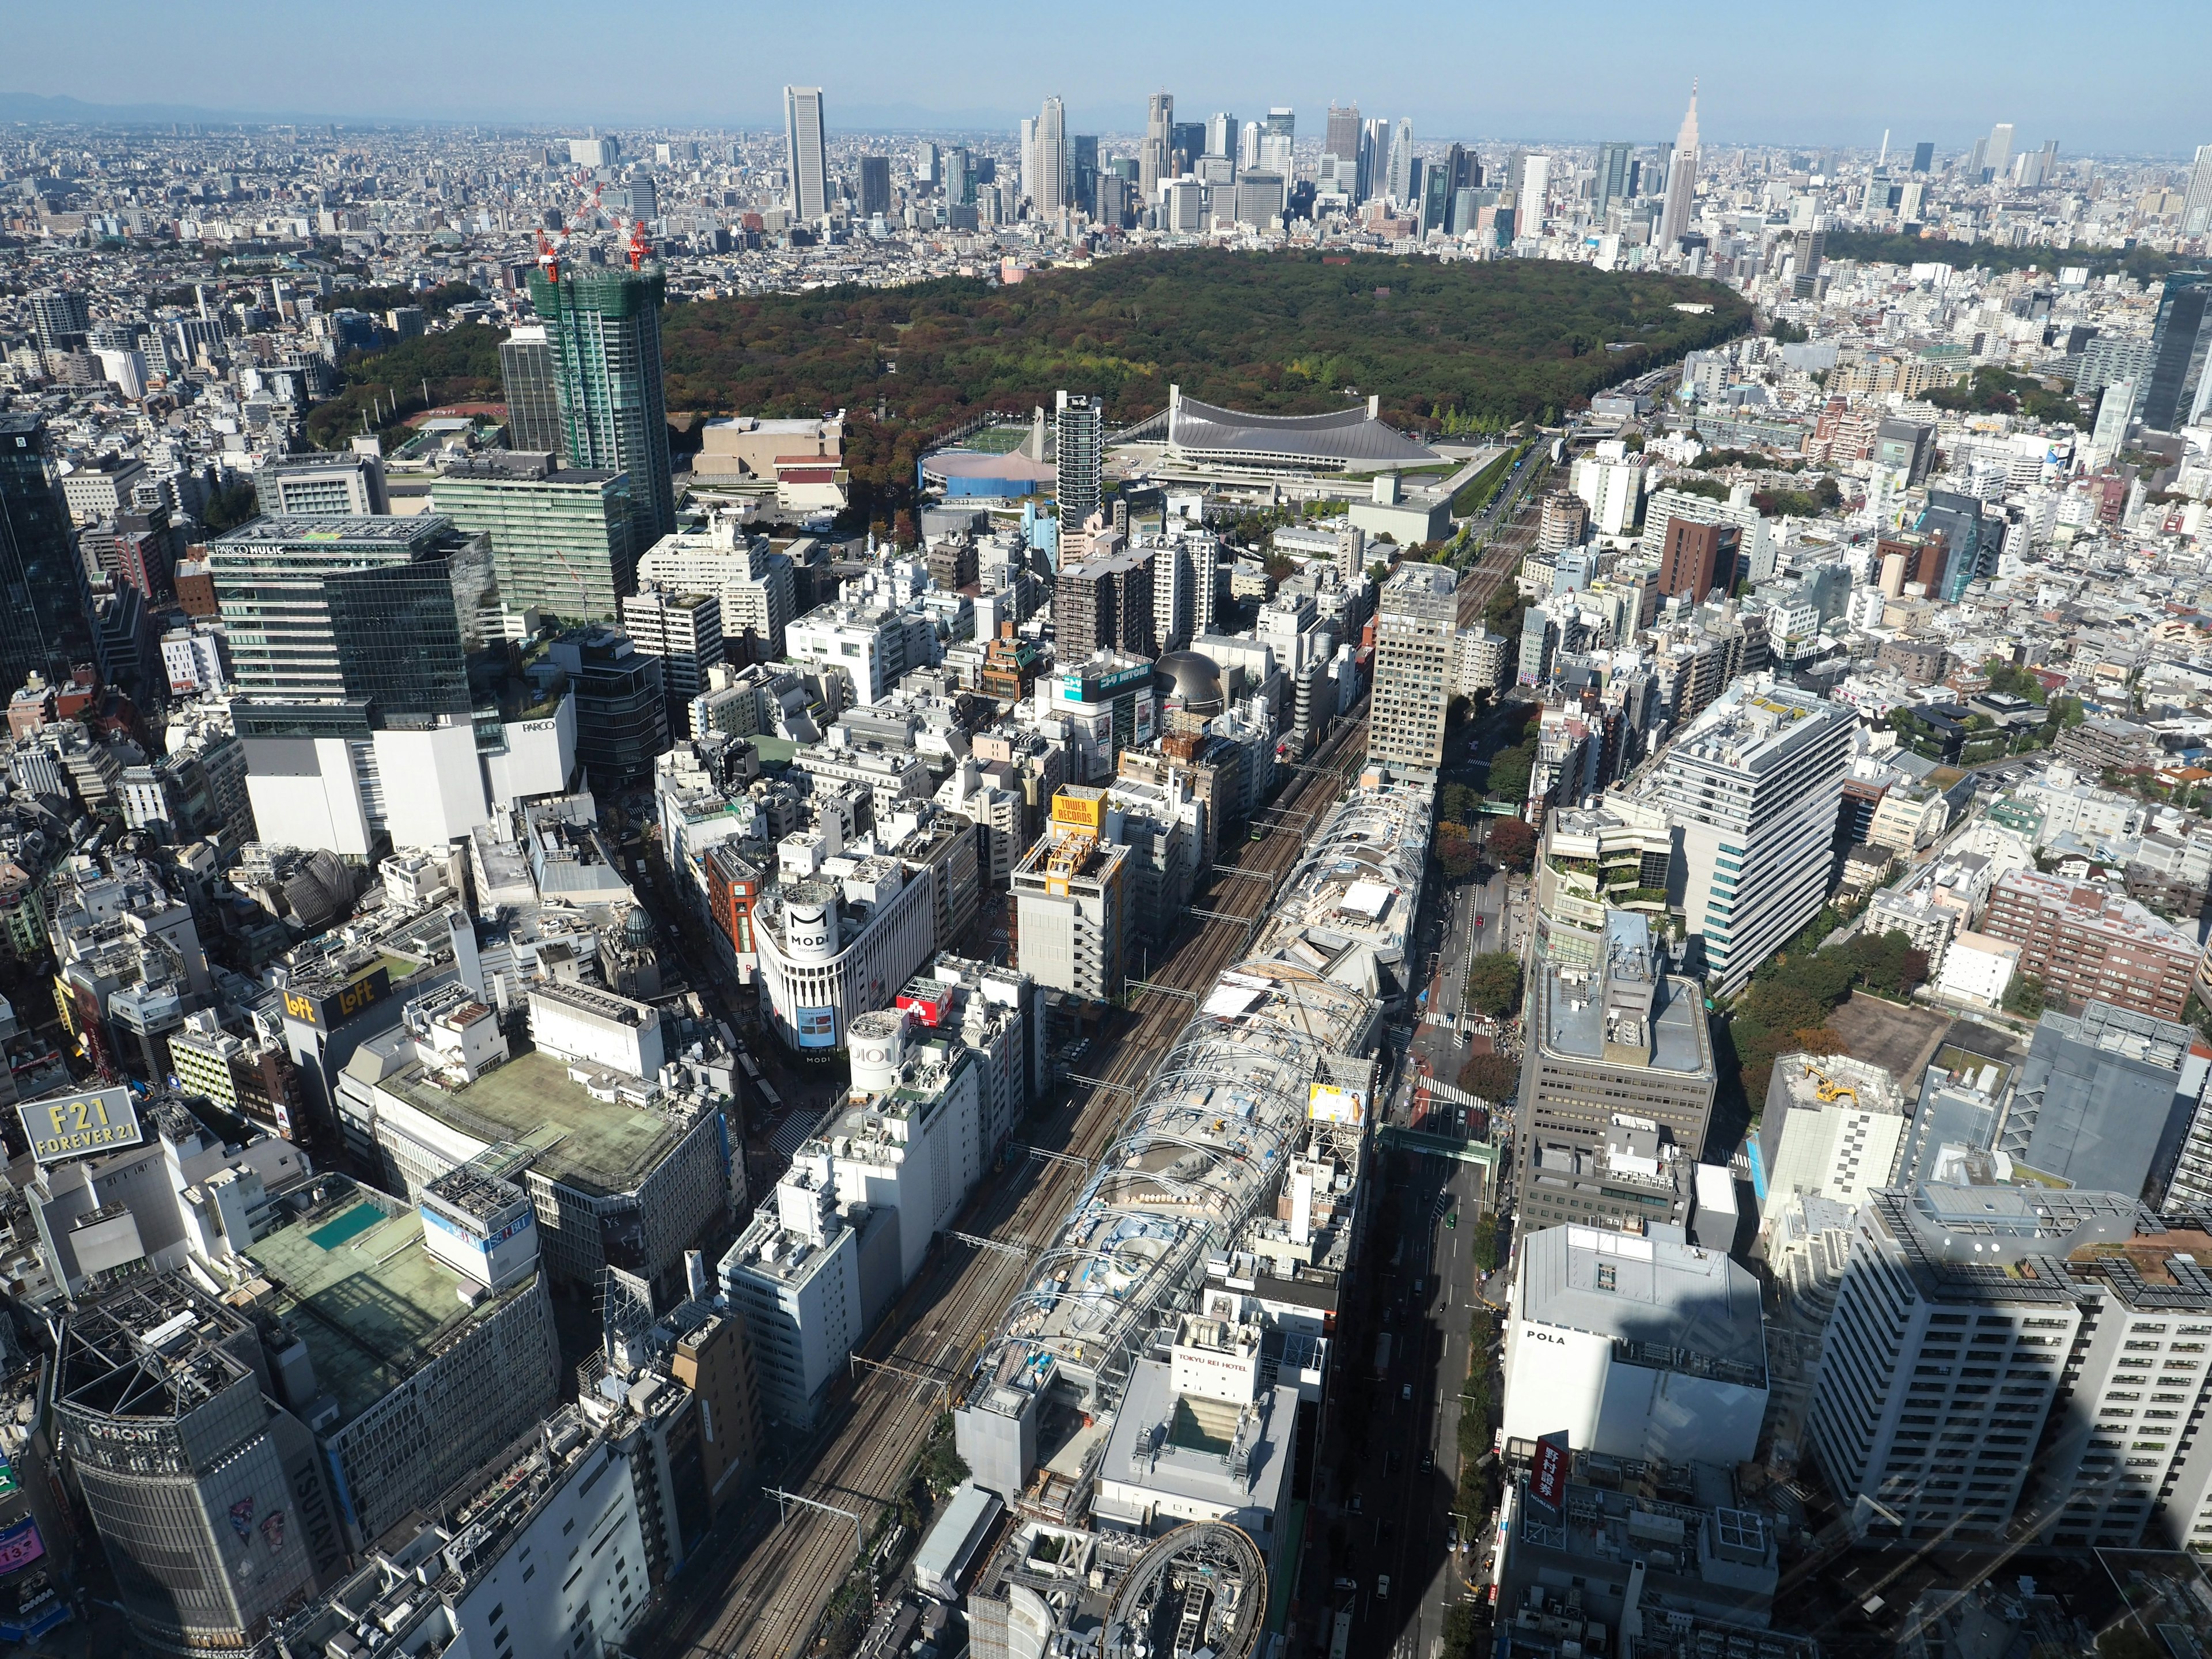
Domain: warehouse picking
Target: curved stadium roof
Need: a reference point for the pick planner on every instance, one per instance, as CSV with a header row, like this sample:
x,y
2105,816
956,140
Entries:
x,y
1345,438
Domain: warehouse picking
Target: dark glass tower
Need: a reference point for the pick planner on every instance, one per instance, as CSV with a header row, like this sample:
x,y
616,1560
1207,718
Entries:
x,y
43,610
605,331
2176,393
533,408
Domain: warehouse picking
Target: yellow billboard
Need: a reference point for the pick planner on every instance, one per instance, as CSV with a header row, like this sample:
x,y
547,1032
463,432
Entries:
x,y
1327,1103
1079,812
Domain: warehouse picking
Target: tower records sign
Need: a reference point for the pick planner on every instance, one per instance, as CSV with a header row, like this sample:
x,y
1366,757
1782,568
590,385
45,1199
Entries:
x,y
64,1126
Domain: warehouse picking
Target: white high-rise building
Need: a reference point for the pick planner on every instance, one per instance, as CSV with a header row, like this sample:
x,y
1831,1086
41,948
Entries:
x,y
795,1274
1276,140
1048,151
807,152
1754,782
753,583
1681,179
1400,188
1152,158
1996,158
1999,1366
1611,481
1028,144
1535,183
1248,148
2196,206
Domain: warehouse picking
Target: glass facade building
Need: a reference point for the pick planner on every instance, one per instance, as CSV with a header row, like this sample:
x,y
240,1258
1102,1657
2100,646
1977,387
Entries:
x,y
561,537
354,612
533,408
2174,395
603,328
44,613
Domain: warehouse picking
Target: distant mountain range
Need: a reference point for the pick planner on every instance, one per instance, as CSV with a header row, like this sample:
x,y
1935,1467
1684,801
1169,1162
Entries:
x,y
38,106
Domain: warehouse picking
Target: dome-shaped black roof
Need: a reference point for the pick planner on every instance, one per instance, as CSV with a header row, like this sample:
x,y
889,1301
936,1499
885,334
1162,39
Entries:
x,y
1190,681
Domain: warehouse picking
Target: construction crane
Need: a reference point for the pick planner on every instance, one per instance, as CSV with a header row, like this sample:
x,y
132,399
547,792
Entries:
x,y
552,250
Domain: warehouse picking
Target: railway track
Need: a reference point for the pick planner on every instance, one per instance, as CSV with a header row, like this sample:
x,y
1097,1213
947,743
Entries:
x,y
766,1591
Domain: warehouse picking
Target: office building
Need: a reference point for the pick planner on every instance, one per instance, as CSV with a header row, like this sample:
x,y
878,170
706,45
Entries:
x,y
189,1469
1680,200
875,185
357,613
346,484
1755,550
1052,194
1155,155
2176,388
795,1277
1924,157
1695,559
533,402
1262,198
459,1577
1105,604
605,330
1643,1347
1071,919
46,628
622,702
1997,152
2013,1361
806,154
2104,1099
60,320
997,1015
2085,942
561,537
1833,1127
753,584
1416,620
2197,204
1080,447
684,631
839,942
1615,166
1621,1039
1340,138
416,1340
1753,781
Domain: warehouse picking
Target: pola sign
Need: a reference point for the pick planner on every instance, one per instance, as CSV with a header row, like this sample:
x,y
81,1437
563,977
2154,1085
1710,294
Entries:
x,y
64,1126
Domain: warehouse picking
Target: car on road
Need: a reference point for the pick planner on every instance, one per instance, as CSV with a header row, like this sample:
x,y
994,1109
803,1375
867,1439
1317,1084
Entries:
x,y
1452,1220
1349,1584
1404,1391
1354,1505
1428,1462
1382,1586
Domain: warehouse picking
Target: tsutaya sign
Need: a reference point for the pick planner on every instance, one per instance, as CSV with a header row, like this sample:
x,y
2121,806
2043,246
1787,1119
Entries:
x,y
65,1127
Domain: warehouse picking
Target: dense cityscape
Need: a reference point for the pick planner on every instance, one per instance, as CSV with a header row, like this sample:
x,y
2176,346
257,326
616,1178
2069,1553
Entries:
x,y
1256,887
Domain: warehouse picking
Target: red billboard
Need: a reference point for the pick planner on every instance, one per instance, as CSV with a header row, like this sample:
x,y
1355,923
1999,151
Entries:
x,y
1548,1477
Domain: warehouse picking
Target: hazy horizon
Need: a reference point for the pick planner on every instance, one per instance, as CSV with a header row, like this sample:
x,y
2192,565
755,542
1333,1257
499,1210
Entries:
x,y
1941,74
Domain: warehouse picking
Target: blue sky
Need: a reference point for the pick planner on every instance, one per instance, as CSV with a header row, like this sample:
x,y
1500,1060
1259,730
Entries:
x,y
2123,75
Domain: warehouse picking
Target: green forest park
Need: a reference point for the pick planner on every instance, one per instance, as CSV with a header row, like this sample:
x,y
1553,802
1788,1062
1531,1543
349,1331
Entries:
x,y
1447,347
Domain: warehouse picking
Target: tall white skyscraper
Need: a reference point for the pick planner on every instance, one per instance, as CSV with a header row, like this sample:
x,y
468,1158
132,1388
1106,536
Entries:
x,y
2196,206
1997,156
1248,148
1221,133
1050,164
1755,782
808,152
1535,185
1152,163
1400,185
1681,179
1276,140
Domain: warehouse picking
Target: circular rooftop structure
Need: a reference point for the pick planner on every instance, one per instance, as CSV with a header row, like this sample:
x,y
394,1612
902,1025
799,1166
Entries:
x,y
1190,681
1202,1588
